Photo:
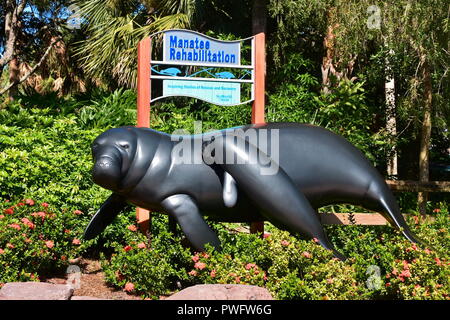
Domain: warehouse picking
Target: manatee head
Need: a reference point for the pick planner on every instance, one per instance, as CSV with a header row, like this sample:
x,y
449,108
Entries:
x,y
113,152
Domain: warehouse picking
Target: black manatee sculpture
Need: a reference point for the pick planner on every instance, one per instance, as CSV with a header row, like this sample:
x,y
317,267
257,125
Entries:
x,y
280,172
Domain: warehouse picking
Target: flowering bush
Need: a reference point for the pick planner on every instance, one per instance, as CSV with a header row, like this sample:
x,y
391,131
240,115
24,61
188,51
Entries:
x,y
149,271
289,267
36,240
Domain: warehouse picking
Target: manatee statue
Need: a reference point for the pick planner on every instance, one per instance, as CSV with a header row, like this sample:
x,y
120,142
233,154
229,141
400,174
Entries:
x,y
280,172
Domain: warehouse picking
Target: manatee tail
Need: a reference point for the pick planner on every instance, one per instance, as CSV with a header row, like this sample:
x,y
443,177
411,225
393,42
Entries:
x,y
384,202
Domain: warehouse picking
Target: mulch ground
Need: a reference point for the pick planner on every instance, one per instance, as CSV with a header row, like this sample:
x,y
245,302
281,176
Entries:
x,y
93,283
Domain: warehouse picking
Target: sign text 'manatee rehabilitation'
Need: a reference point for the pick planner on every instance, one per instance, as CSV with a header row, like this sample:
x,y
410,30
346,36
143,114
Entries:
x,y
197,50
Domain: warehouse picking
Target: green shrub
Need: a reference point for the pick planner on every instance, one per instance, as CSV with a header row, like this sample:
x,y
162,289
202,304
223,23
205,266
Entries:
x,y
289,267
116,109
51,163
37,240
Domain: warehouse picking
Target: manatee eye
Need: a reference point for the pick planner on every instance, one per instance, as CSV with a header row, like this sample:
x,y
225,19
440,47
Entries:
x,y
124,145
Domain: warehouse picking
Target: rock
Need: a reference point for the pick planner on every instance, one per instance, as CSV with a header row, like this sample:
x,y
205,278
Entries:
x,y
86,298
222,292
35,291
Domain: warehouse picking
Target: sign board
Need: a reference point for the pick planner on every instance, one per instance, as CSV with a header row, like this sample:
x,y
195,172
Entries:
x,y
187,46
198,66
221,93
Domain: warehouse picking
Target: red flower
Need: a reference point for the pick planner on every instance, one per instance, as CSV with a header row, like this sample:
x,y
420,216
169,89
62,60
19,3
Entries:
x,y
192,273
394,271
49,244
265,276
405,265
127,248
28,223
29,202
1,216
213,273
129,287
10,246
141,245
285,243
8,211
20,204
63,258
205,255
306,254
388,284
266,235
427,251
248,266
66,231
132,227
76,241
405,273
2,251
438,261
39,214
77,212
238,279
14,226
437,210
44,204
316,240
200,265
195,258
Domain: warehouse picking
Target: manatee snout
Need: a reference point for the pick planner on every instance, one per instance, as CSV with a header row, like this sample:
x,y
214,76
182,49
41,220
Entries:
x,y
107,168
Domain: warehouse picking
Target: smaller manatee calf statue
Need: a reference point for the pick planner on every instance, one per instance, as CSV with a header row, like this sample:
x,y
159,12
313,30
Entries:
x,y
280,172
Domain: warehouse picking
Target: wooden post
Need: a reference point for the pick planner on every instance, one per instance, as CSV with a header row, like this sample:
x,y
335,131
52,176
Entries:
x,y
143,109
258,113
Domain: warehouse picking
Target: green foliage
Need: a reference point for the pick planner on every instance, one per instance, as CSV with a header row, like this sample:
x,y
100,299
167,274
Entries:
x,y
346,110
292,268
154,271
114,110
51,163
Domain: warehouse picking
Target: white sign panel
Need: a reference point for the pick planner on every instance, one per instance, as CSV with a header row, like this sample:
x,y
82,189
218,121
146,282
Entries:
x,y
187,46
220,93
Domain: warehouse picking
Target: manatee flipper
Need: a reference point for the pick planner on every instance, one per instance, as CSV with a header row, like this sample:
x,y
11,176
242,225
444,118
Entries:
x,y
230,193
104,216
266,190
185,211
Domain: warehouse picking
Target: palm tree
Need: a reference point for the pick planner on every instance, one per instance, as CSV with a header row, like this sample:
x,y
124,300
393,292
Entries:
x,y
114,28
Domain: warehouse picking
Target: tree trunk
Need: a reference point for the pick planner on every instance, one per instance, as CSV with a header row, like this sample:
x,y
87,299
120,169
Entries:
x,y
327,67
424,161
12,14
14,77
391,121
259,19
